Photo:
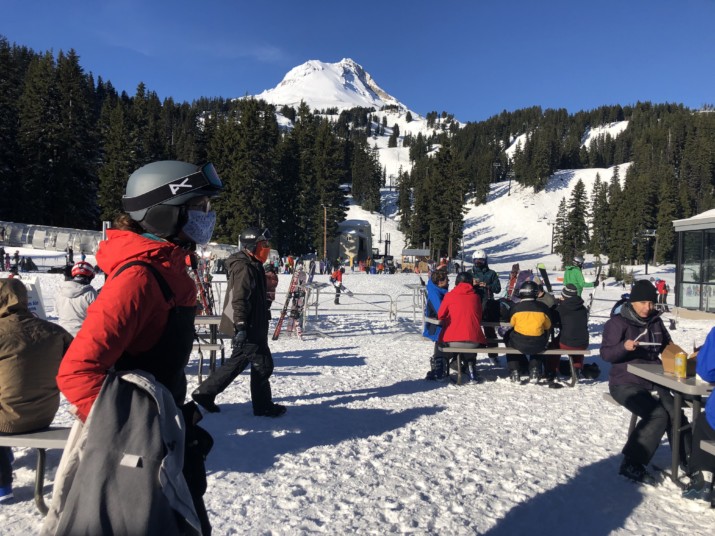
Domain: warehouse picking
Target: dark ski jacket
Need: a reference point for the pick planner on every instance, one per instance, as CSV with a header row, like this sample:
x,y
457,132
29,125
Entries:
x,y
628,325
486,275
246,298
571,316
531,321
435,295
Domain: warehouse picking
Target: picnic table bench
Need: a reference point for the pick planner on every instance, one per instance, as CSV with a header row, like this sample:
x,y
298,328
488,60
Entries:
x,y
503,350
511,351
54,437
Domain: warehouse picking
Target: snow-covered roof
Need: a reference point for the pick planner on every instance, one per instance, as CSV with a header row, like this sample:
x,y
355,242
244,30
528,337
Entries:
x,y
704,220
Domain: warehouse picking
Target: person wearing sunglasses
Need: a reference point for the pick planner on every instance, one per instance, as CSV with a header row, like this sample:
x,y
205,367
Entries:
x,y
142,323
245,318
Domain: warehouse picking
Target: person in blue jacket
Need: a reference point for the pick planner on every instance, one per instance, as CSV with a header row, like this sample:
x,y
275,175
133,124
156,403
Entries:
x,y
705,426
437,287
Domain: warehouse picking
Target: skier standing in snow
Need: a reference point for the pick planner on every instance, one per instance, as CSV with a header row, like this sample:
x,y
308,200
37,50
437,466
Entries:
x,y
143,319
74,297
437,288
245,318
638,322
487,285
574,275
336,278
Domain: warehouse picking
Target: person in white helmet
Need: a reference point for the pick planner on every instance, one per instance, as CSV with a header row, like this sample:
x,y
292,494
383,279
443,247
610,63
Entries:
x,y
487,285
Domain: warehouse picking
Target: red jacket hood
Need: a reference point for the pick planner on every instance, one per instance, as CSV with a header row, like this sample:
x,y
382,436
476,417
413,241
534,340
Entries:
x,y
122,246
464,288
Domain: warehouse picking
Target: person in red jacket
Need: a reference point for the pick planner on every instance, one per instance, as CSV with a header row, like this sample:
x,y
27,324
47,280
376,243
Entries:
x,y
144,317
336,278
461,316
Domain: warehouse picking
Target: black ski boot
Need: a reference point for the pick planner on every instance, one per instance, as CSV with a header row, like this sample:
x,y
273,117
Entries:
x,y
206,401
274,410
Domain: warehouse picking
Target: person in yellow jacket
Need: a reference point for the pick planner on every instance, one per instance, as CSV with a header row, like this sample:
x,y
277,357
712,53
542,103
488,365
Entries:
x,y
531,328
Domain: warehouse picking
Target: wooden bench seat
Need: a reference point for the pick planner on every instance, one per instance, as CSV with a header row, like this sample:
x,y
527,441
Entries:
x,y
54,437
511,351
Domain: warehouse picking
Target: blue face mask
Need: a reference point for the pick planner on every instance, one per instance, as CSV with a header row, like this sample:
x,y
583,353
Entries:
x,y
200,226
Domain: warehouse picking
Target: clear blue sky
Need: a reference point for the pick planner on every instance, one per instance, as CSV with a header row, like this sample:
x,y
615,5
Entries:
x,y
472,58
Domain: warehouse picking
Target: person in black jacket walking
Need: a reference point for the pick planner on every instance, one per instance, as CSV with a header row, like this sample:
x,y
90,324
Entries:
x,y
571,317
245,317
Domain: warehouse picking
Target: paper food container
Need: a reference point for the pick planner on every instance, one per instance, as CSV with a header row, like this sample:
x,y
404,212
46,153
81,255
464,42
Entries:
x,y
668,358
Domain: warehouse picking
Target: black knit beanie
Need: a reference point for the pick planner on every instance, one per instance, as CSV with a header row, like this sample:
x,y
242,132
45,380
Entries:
x,y
643,290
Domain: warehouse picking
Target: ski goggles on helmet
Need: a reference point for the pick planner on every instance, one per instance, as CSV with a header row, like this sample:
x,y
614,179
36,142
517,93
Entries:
x,y
205,180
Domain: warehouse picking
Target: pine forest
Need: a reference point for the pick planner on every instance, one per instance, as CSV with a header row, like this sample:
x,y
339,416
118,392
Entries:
x,y
68,142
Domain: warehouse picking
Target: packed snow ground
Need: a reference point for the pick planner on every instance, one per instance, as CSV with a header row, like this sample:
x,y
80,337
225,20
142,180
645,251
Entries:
x,y
369,447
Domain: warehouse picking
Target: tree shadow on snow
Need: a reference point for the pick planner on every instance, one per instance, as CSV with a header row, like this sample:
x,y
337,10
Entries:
x,y
594,501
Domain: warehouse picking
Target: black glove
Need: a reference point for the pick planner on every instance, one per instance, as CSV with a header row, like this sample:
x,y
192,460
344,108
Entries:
x,y
240,337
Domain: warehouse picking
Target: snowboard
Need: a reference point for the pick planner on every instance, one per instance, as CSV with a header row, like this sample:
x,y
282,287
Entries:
x,y
544,276
524,276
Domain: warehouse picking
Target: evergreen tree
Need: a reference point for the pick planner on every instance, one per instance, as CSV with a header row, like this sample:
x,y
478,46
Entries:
x,y
75,201
118,163
38,142
667,212
560,231
599,217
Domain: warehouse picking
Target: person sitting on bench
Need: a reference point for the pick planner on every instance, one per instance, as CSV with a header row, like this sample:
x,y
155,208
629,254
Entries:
x,y
461,316
637,335
30,356
531,325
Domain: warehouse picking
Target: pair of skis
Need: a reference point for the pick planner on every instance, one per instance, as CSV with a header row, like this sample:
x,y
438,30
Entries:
x,y
284,312
199,274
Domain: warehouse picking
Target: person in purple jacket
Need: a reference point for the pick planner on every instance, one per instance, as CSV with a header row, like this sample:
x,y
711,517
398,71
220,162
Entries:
x,y
637,335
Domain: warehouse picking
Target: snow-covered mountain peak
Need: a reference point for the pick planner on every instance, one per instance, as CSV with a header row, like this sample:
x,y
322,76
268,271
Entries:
x,y
323,85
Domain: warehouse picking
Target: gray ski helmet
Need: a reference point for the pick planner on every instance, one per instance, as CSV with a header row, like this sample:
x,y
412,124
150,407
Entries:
x,y
529,289
156,192
252,236
578,260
